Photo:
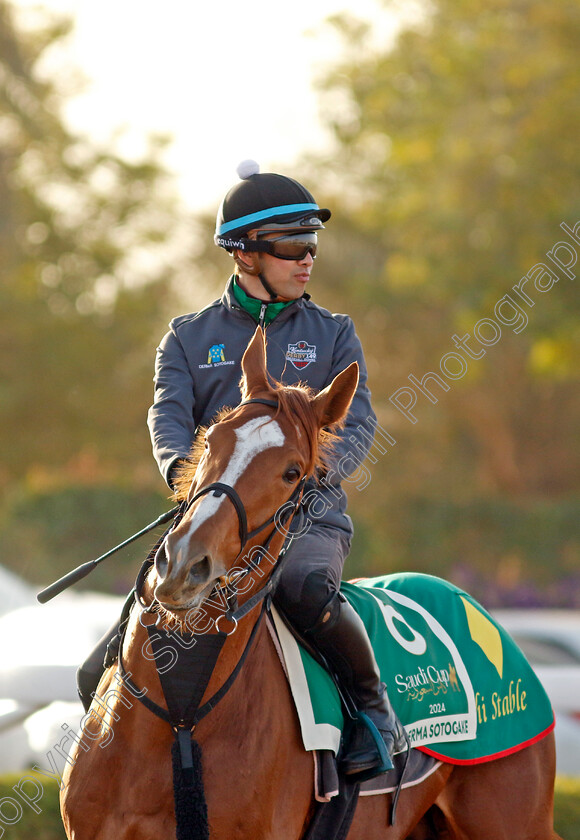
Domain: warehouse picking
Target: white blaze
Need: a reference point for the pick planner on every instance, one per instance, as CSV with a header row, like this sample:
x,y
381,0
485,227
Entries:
x,y
253,437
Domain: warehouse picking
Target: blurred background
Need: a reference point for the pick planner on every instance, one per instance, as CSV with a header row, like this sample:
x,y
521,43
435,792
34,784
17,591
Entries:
x,y
444,137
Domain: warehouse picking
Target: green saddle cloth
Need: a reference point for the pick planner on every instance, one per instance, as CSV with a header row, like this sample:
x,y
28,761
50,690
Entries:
x,y
458,682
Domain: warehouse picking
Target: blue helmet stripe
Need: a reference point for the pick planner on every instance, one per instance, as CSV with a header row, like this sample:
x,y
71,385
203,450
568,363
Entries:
x,y
265,214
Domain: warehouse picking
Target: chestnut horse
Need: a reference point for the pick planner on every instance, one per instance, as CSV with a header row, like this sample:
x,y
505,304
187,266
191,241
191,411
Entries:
x,y
258,780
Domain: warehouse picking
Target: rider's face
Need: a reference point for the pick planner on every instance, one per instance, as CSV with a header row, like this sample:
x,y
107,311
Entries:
x,y
288,278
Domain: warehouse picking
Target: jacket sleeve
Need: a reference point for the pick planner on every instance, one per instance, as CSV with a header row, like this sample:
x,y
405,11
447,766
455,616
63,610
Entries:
x,y
356,437
170,418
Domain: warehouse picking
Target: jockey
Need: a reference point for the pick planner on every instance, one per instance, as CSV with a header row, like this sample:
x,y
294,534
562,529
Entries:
x,y
269,224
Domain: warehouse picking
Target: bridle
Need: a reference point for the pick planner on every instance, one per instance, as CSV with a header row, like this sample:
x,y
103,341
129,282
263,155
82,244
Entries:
x,y
280,517
183,723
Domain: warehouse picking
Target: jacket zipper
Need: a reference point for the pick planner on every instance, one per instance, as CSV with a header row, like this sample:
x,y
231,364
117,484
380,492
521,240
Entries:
x,y
262,317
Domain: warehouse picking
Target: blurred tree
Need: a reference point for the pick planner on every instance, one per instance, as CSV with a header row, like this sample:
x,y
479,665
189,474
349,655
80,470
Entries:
x,y
457,153
93,251
455,160
85,238
46,532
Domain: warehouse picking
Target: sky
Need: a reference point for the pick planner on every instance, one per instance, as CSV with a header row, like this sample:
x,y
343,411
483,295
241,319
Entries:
x,y
228,80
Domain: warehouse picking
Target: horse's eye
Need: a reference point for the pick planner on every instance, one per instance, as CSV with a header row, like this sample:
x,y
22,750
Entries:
x,y
292,475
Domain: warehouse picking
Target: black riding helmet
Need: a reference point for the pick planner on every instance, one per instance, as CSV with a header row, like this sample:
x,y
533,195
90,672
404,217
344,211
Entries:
x,y
266,202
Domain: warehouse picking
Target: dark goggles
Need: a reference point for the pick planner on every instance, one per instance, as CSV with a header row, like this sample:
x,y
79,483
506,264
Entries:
x,y
291,247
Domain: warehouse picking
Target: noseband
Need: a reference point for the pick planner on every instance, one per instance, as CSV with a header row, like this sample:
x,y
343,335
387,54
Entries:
x,y
289,507
218,488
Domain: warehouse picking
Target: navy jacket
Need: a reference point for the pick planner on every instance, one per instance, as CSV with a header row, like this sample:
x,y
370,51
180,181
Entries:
x,y
198,370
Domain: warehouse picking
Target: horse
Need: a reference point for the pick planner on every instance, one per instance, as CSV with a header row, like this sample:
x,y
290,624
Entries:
x,y
257,777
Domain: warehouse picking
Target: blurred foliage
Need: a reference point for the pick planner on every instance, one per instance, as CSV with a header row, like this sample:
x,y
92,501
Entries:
x,y
48,826
62,527
567,808
456,157
86,237
453,162
493,547
92,249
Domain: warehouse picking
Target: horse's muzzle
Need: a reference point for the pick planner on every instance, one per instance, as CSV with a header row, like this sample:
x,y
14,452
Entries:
x,y
184,577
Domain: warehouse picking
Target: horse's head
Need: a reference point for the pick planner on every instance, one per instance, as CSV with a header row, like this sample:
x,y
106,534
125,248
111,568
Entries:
x,y
258,453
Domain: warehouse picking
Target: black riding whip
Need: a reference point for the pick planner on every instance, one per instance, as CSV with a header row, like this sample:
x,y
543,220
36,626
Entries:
x,y
82,571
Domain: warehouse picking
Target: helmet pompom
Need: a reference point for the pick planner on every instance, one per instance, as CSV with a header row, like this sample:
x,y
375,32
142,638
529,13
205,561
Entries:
x,y
247,168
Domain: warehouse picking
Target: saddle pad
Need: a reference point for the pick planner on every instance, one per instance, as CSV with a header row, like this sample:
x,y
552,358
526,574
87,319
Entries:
x,y
408,771
460,685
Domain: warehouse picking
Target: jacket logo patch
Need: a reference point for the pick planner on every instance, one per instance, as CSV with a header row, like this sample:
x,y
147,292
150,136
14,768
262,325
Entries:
x,y
216,356
301,354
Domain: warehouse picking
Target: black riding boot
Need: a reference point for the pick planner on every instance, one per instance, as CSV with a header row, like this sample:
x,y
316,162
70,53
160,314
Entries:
x,y
90,672
103,655
341,637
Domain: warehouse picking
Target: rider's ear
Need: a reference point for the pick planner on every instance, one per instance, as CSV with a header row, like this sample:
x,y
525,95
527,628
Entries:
x,y
249,263
333,402
254,376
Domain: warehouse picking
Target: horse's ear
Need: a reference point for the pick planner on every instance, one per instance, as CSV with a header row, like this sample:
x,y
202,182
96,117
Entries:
x,y
254,376
333,402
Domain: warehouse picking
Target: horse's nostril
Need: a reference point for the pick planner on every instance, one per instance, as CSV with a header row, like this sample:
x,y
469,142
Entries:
x,y
199,573
161,561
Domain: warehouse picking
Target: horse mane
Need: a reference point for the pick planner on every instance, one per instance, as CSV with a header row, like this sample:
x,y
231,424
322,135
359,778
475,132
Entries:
x,y
294,402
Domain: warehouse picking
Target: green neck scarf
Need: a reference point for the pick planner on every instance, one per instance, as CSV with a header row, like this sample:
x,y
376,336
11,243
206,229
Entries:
x,y
254,306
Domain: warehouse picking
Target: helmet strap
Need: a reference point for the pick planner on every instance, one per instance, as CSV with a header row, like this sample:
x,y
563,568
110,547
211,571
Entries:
x,y
267,286
255,270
